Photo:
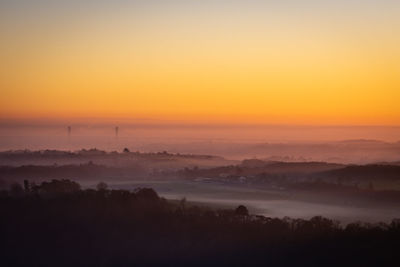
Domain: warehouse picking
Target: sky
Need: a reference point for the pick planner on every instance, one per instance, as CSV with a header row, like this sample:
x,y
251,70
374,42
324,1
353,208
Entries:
x,y
252,62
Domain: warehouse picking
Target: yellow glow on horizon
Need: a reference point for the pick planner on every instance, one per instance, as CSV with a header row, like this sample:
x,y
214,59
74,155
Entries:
x,y
245,72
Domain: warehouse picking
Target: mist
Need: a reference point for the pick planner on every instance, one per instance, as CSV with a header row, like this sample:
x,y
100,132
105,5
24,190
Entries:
x,y
350,144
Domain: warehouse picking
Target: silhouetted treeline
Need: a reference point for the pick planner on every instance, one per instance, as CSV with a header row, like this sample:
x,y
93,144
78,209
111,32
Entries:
x,y
80,172
51,154
365,172
328,177
58,224
114,158
255,167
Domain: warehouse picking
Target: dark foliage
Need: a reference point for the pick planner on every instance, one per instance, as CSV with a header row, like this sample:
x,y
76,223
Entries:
x,y
365,172
82,172
57,224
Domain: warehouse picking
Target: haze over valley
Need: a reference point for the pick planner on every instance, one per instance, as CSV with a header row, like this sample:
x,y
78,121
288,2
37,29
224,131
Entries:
x,y
199,133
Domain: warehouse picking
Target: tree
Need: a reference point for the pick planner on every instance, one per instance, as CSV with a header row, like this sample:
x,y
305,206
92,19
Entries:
x,y
16,190
147,194
59,187
242,211
182,203
126,150
102,186
26,186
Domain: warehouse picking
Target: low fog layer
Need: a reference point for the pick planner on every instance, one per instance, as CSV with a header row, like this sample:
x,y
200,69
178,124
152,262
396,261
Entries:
x,y
344,192
357,144
271,203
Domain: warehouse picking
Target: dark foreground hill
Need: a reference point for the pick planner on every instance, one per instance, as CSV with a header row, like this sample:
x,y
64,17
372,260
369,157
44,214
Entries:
x,y
365,172
58,224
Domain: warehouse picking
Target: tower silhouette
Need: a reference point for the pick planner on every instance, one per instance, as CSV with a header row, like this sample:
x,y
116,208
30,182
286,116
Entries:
x,y
116,131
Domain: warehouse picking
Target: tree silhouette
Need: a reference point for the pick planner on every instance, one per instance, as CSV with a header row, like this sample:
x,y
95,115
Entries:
x,y
16,190
26,186
102,186
242,211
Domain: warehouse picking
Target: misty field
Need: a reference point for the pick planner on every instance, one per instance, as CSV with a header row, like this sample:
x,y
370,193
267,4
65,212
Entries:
x,y
267,202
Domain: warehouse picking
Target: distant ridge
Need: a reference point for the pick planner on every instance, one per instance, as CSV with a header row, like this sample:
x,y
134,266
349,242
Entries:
x,y
361,141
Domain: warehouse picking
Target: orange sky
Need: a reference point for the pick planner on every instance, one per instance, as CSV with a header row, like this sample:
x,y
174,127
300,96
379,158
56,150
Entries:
x,y
254,63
